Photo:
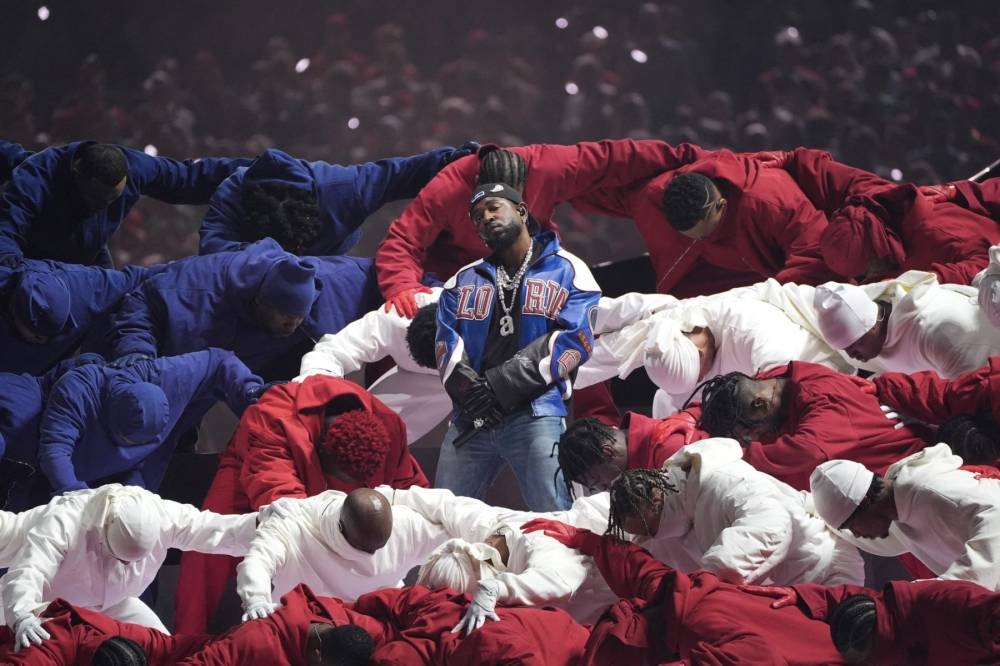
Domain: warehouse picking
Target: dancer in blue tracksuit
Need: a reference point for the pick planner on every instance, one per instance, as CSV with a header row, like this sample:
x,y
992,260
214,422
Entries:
x,y
22,401
48,308
65,202
512,329
102,422
259,303
312,208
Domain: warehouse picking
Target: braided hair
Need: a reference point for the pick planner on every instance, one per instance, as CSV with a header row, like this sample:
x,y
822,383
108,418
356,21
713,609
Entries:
x,y
120,651
346,645
587,442
685,199
502,166
975,438
722,404
631,492
852,626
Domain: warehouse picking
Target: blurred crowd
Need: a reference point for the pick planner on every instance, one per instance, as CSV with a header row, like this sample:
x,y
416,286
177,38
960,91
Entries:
x,y
909,90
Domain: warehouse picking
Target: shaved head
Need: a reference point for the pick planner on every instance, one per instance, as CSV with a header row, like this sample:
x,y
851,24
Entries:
x,y
366,519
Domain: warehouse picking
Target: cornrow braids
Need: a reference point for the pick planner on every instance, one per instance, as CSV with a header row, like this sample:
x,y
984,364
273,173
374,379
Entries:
x,y
120,651
634,490
289,215
852,624
587,442
503,166
721,408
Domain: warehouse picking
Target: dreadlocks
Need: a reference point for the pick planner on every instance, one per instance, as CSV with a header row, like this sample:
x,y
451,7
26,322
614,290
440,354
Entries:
x,y
632,492
586,443
502,166
852,625
722,404
120,651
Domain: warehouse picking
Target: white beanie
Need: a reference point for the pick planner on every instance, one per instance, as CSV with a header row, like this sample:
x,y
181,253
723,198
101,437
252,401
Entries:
x,y
838,487
845,313
672,361
460,565
131,525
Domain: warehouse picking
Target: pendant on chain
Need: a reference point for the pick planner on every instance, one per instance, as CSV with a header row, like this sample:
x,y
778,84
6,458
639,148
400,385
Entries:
x,y
506,325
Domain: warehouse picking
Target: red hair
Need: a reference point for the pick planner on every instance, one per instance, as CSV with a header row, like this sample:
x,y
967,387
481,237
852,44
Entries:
x,y
356,442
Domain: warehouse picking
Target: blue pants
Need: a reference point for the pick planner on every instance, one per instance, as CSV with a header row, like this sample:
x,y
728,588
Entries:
x,y
522,441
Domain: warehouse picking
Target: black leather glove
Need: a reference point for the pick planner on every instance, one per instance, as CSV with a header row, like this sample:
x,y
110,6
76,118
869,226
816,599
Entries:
x,y
481,403
466,148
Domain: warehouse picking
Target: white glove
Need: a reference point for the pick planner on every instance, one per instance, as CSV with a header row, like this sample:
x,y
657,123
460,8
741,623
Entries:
x,y
278,507
482,608
28,631
258,610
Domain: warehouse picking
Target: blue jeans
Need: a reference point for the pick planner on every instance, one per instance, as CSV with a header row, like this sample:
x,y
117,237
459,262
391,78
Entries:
x,y
522,441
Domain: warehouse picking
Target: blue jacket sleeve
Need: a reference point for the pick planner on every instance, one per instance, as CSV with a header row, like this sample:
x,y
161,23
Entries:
x,y
351,193
552,358
139,322
21,203
71,405
11,154
219,230
177,182
228,379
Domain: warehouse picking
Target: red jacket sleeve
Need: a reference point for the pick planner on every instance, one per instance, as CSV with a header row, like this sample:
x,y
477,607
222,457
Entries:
x,y
828,183
932,399
399,259
629,570
980,198
819,601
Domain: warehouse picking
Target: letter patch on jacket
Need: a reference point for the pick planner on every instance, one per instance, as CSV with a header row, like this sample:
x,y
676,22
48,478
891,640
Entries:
x,y
568,361
475,302
543,297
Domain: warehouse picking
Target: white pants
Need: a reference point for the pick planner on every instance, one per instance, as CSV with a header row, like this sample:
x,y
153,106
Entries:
x,y
132,609
418,398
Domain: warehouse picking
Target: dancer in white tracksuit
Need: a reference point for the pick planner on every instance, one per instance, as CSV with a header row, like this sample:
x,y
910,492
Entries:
x,y
947,517
708,509
331,544
908,324
101,548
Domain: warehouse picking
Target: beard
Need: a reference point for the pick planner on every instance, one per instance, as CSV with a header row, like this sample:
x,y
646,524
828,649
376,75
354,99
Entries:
x,y
504,238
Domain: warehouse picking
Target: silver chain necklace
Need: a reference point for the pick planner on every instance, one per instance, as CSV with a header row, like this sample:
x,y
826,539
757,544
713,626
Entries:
x,y
512,284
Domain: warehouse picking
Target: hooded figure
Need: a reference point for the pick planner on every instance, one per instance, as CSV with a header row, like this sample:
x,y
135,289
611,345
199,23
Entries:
x,y
879,229
43,214
948,517
258,303
725,516
278,450
21,405
101,548
343,196
50,308
909,324
101,421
